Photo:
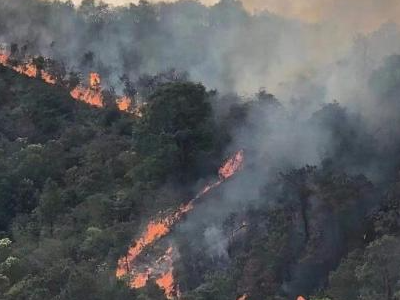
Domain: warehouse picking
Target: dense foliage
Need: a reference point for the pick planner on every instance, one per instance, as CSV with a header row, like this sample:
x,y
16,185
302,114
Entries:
x,y
314,212
78,182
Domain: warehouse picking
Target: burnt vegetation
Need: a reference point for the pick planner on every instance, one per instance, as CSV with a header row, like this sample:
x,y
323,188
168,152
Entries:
x,y
77,183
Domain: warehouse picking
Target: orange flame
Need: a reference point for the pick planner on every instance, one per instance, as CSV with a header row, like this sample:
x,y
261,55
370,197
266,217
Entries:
x,y
91,95
154,231
232,165
3,59
124,103
158,229
94,81
162,272
301,298
167,283
28,69
140,279
48,78
87,95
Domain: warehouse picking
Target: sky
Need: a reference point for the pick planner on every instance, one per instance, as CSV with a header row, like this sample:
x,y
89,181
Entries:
x,y
364,15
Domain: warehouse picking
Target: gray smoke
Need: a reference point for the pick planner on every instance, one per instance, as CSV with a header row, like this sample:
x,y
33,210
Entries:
x,y
216,242
306,66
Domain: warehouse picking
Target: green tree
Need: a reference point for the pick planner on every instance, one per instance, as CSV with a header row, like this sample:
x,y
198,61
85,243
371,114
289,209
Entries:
x,y
379,274
343,282
8,265
176,127
50,204
218,286
151,292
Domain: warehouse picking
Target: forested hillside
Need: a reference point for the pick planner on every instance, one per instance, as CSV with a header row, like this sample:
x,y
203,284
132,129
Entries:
x,y
190,192
78,182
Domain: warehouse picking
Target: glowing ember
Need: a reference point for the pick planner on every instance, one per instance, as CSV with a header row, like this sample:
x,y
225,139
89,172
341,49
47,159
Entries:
x,y
138,110
244,297
48,78
124,103
158,229
301,298
3,59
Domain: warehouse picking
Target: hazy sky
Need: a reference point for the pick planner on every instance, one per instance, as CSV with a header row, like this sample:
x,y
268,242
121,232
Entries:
x,y
356,14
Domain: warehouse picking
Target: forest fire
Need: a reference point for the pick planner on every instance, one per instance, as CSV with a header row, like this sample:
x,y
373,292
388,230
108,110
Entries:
x,y
28,69
166,280
124,103
167,283
48,78
3,59
161,271
91,95
158,229
140,279
94,81
232,165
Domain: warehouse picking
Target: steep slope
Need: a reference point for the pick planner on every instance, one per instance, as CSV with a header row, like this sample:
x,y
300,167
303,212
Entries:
x,y
75,185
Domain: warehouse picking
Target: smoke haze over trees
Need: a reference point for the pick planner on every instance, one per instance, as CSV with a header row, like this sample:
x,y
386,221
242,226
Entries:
x,y
315,209
223,46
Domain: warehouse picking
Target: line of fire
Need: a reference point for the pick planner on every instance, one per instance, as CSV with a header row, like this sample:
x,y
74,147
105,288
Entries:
x,y
91,94
159,268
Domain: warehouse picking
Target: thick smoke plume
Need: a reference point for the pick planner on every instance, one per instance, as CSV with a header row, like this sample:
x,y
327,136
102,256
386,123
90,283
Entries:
x,y
223,46
334,85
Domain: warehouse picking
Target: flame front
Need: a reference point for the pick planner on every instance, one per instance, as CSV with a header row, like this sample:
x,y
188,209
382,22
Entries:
x,y
140,279
166,280
28,69
48,78
91,95
158,229
232,165
155,229
162,272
